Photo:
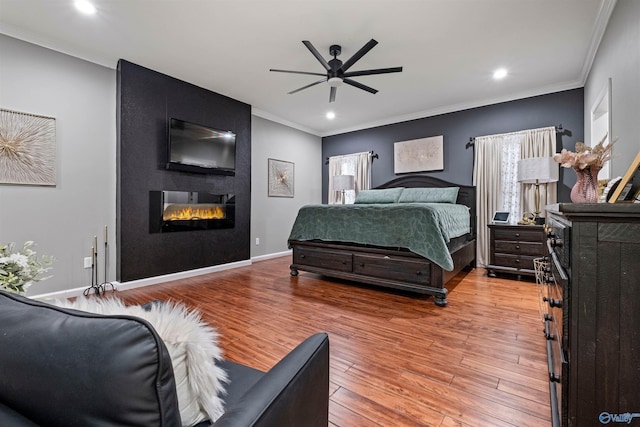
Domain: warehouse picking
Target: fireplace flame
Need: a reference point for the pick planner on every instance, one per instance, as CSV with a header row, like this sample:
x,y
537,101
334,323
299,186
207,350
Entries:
x,y
193,213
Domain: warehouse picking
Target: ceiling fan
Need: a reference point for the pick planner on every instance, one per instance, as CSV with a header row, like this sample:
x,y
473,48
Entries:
x,y
336,70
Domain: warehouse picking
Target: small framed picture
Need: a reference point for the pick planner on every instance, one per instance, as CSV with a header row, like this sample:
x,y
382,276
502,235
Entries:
x,y
280,179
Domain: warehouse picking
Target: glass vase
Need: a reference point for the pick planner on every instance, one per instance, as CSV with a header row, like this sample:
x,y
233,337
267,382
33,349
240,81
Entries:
x,y
586,188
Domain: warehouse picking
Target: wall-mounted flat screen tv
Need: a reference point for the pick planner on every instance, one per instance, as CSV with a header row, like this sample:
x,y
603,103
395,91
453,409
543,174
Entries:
x,y
201,149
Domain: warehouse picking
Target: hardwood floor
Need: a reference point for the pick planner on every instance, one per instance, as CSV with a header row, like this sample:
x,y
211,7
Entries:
x,y
396,359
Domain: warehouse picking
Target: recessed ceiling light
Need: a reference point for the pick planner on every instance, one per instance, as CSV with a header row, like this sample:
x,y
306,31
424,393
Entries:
x,y
331,115
500,73
85,7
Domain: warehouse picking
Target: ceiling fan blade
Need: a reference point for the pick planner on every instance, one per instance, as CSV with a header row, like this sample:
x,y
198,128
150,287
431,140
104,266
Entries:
x,y
309,85
315,53
371,72
360,86
298,72
359,54
332,94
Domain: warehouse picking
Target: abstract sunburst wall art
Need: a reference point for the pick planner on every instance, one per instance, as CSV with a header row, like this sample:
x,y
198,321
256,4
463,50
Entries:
x,y
27,148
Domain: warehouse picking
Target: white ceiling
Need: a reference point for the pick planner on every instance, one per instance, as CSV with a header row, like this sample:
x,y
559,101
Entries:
x,y
448,48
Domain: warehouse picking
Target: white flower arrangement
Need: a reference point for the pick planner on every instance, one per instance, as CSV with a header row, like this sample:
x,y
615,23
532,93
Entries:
x,y
18,270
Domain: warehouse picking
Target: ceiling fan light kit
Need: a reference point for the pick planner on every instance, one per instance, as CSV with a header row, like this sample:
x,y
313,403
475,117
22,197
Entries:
x,y
336,71
334,81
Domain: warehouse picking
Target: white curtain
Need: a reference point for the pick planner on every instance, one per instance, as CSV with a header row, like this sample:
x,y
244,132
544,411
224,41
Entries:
x,y
495,173
358,165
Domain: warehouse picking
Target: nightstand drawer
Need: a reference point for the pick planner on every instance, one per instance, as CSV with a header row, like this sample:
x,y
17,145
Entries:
x,y
518,235
514,261
512,248
519,248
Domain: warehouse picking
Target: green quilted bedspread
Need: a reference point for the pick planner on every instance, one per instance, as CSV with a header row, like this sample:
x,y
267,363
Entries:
x,y
422,228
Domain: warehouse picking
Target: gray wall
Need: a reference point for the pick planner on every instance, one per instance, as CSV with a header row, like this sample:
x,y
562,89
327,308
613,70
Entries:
x,y
273,217
62,220
618,58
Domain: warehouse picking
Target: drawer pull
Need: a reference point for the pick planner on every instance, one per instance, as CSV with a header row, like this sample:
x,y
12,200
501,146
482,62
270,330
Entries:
x,y
517,234
556,243
303,256
362,264
554,378
517,261
418,273
553,302
517,246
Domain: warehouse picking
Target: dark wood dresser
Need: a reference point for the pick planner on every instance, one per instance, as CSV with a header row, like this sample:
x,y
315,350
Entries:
x,y
591,294
512,248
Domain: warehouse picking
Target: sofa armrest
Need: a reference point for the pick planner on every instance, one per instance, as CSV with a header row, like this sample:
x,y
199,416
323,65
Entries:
x,y
10,418
294,392
62,367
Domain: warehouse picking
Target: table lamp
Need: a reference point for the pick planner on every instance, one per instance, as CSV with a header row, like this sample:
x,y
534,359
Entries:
x,y
343,183
537,170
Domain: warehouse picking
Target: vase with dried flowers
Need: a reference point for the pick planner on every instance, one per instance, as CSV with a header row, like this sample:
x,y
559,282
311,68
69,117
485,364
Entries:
x,y
19,269
587,162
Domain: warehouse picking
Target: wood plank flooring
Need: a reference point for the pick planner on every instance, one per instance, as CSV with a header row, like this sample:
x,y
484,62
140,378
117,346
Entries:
x,y
396,359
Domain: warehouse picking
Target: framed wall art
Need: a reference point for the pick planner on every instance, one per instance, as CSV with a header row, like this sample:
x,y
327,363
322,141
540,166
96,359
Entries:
x,y
418,155
280,179
27,148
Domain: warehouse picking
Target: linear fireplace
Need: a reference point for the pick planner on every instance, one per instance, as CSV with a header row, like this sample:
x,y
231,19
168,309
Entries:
x,y
190,210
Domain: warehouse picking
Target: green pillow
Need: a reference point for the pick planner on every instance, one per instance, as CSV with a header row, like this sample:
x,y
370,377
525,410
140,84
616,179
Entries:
x,y
429,195
384,195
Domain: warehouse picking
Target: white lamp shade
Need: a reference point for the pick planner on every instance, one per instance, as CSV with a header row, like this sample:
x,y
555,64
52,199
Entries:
x,y
343,182
543,169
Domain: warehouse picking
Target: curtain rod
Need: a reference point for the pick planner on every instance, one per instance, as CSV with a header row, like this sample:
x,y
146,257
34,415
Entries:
x,y
472,140
373,157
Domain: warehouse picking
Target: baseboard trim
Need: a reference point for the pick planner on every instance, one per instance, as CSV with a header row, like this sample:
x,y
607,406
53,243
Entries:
x,y
271,256
123,286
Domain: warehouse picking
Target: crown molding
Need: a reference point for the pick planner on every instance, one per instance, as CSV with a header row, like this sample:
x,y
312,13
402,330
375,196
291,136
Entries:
x,y
461,107
45,42
600,26
272,117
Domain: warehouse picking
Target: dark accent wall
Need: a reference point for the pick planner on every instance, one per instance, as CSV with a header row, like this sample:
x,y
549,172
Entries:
x,y
564,108
146,100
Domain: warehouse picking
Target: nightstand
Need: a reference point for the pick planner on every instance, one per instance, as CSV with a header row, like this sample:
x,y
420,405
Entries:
x,y
513,248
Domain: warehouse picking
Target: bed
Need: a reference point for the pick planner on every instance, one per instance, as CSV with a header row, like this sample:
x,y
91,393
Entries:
x,y
397,245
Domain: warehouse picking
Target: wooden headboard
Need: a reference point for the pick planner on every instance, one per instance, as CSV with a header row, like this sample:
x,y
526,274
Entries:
x,y
466,194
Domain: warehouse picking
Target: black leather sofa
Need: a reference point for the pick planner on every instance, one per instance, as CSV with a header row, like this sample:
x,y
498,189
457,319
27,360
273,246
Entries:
x,y
61,367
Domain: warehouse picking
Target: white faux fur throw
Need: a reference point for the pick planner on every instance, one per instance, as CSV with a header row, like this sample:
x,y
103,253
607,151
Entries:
x,y
192,345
